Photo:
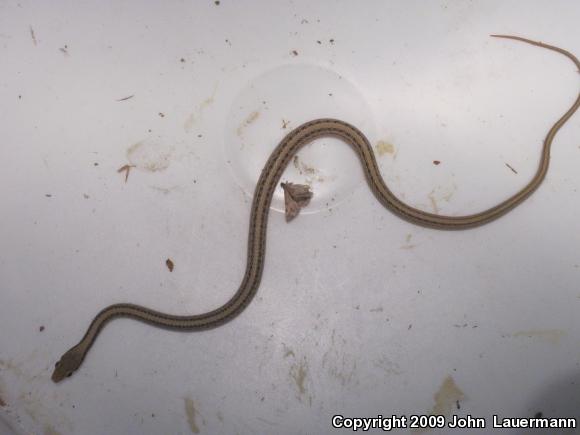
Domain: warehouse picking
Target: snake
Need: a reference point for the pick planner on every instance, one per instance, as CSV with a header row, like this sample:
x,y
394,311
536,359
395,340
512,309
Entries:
x,y
264,190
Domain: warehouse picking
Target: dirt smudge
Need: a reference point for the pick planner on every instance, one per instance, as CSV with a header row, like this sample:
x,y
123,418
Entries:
x,y
440,194
407,244
49,430
446,398
383,147
191,413
288,352
299,372
340,365
552,336
248,121
193,117
388,366
150,155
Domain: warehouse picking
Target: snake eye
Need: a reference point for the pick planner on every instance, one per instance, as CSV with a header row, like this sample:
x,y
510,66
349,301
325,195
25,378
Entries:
x,y
69,374
57,364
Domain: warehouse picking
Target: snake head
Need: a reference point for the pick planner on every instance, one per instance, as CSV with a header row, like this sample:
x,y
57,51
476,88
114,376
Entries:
x,y
67,364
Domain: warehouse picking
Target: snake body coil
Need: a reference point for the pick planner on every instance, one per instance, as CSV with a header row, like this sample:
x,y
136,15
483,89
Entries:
x,y
265,187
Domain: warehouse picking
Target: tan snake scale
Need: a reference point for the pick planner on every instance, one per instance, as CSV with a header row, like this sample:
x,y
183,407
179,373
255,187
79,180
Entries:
x,y
265,187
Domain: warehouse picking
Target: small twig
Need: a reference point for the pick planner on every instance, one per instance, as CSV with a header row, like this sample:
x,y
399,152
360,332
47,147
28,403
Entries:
x,y
125,168
513,170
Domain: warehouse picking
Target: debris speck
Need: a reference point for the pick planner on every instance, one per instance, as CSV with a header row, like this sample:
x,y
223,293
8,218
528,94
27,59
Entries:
x,y
33,36
169,264
294,53
511,168
436,162
126,169
41,328
303,167
126,98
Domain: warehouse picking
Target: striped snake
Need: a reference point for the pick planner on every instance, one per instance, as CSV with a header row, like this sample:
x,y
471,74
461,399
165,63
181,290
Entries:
x,y
265,187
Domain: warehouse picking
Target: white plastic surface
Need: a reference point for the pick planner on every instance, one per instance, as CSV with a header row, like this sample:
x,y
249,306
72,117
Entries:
x,y
359,313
